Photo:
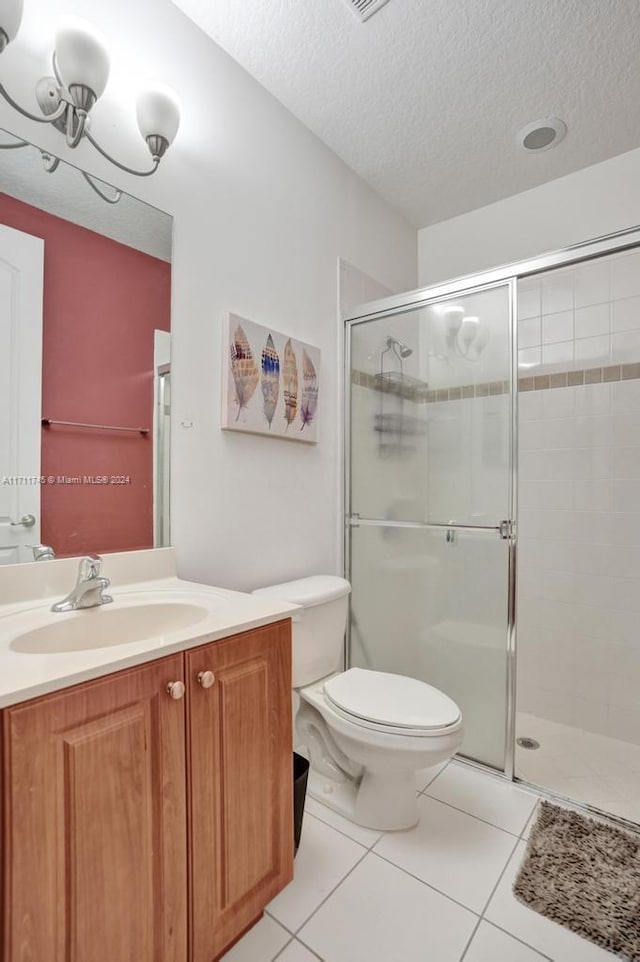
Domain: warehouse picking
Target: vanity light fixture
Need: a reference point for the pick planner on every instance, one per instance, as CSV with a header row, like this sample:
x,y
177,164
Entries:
x,y
80,74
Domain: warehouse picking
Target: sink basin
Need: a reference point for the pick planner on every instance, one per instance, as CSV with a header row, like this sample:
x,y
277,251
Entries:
x,y
108,626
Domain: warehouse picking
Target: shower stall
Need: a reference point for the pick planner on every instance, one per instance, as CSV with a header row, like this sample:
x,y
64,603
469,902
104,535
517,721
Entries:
x,y
492,493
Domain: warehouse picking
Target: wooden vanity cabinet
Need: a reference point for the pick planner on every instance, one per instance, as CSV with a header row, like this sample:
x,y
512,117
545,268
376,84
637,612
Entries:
x,y
240,797
144,826
94,814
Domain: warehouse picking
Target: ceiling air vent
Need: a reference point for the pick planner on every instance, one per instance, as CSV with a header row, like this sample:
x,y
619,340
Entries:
x,y
364,9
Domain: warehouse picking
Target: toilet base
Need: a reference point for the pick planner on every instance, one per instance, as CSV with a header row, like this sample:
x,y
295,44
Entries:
x,y
385,802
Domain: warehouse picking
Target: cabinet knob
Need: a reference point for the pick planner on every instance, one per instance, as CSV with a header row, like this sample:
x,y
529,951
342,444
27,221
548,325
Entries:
x,y
206,678
176,690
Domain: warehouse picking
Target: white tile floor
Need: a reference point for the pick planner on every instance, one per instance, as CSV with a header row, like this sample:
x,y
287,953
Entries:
x,y
581,765
440,891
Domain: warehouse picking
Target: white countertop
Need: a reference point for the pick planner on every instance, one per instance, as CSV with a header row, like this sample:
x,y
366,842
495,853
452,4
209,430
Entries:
x,y
25,675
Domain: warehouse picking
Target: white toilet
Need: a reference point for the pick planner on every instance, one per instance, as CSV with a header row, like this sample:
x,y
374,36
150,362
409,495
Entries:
x,y
367,732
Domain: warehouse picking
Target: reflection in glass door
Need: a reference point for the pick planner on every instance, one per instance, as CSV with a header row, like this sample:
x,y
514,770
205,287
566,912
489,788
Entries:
x,y
429,502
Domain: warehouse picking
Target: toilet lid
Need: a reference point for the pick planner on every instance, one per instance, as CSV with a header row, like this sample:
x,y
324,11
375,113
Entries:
x,y
393,700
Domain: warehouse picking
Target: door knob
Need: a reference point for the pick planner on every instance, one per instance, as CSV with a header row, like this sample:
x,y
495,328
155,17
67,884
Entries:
x,y
176,690
26,521
206,678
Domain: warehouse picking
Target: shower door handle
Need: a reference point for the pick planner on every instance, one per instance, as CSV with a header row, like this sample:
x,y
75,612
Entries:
x,y
506,530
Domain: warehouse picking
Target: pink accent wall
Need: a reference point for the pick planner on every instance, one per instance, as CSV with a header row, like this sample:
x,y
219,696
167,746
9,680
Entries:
x,y
102,302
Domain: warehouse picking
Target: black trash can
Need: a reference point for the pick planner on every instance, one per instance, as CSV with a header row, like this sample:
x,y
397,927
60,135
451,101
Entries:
x,y
300,775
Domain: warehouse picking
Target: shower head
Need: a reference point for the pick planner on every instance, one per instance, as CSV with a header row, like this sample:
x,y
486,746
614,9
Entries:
x,y
400,349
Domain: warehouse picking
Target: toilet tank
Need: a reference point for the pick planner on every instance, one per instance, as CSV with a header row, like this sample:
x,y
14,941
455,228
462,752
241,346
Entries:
x,y
318,630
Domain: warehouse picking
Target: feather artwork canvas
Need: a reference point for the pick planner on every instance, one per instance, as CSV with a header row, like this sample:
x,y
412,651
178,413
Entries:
x,y
270,382
243,366
270,379
290,382
309,401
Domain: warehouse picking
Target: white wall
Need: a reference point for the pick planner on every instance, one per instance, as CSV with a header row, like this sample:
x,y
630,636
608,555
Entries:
x,y
589,203
262,212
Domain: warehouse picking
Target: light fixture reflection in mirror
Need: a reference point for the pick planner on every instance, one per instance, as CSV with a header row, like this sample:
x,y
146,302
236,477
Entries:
x,y
89,347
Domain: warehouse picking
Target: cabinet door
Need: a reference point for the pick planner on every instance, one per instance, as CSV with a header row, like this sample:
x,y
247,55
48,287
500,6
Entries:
x,y
94,813
240,745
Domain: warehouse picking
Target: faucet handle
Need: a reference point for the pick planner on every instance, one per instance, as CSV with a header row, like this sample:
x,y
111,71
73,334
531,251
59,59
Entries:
x,y
90,567
42,552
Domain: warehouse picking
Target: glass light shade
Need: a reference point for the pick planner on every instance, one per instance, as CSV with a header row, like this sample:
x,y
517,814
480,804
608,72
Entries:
x,y
10,17
158,112
81,55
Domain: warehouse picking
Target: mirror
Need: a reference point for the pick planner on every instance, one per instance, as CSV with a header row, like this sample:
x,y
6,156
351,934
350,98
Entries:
x,y
85,362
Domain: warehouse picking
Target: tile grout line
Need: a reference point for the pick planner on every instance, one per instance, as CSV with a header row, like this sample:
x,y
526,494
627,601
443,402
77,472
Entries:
x,y
329,894
318,818
434,778
547,958
428,885
287,930
280,951
471,938
522,836
309,949
483,916
290,942
477,817
500,877
350,837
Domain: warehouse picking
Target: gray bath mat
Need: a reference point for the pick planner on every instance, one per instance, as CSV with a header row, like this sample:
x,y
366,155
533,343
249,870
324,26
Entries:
x,y
586,876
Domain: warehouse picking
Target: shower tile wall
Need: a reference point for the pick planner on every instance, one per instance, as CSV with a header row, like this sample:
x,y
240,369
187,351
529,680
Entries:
x,y
579,498
390,470
469,459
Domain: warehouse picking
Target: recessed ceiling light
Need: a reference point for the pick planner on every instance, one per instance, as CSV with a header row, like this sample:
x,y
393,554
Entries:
x,y
542,134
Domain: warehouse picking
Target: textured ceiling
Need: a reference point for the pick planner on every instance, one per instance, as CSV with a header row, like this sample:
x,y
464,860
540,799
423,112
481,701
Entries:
x,y
424,100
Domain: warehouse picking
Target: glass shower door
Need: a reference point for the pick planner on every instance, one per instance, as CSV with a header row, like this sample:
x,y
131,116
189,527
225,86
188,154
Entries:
x,y
430,501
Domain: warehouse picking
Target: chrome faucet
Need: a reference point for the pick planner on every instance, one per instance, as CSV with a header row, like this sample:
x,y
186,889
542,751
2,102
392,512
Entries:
x,y
88,589
42,552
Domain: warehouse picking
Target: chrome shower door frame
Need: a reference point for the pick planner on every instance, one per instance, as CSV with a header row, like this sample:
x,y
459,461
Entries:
x,y
506,529
506,275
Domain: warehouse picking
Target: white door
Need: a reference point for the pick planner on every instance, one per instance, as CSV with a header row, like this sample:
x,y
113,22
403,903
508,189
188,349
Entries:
x,y
21,278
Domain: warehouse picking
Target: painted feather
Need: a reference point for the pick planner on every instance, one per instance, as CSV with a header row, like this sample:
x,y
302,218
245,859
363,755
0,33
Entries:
x,y
309,399
270,379
290,383
244,368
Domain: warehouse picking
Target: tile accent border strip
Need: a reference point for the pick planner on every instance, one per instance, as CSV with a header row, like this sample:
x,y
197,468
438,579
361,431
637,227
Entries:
x,y
593,375
409,388
420,393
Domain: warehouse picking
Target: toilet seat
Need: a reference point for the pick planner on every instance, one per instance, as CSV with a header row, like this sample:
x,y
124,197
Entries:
x,y
391,703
